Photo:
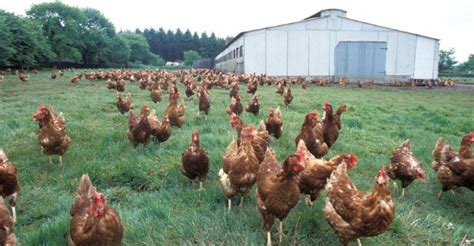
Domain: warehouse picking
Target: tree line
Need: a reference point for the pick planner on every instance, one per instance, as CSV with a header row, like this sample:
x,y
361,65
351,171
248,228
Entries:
x,y
172,45
55,34
448,66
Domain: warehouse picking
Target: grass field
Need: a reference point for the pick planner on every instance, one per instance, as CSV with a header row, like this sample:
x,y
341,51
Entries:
x,y
159,206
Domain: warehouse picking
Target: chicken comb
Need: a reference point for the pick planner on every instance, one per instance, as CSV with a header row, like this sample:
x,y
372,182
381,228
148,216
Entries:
x,y
354,159
41,106
300,154
471,135
421,174
251,127
325,102
195,136
382,171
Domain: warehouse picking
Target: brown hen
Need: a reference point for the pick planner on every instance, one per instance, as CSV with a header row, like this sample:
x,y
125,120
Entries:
x,y
139,129
9,186
52,134
354,214
277,189
314,144
404,166
454,169
195,161
274,123
253,106
7,237
93,222
313,178
239,172
124,105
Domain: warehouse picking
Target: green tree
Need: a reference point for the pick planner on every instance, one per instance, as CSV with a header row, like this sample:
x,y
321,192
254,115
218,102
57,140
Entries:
x,y
190,56
139,49
97,33
24,44
61,25
6,41
117,51
468,66
446,60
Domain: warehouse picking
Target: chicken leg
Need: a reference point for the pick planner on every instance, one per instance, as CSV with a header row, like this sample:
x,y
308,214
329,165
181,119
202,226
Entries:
x,y
201,188
280,231
12,201
269,239
403,193
440,194
359,242
50,161
241,201
14,214
395,186
61,159
229,203
307,200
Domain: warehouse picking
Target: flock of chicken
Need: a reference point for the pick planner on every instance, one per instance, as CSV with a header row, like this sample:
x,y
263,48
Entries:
x,y
248,160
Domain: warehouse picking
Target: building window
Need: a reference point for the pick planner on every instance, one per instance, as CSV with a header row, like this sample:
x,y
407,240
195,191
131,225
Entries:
x,y
241,50
237,52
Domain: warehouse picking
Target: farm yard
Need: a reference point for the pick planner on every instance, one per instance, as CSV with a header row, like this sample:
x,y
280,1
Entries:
x,y
160,206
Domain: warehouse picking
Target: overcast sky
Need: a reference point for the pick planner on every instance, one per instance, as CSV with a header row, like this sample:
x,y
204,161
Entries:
x,y
450,21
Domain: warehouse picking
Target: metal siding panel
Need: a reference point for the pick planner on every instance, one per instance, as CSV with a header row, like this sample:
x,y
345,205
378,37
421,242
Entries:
x,y
392,46
380,57
360,60
383,36
319,52
276,55
436,60
348,25
424,58
318,24
405,54
332,44
254,53
298,53
357,36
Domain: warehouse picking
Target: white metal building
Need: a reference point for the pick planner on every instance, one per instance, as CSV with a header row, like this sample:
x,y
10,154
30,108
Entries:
x,y
329,44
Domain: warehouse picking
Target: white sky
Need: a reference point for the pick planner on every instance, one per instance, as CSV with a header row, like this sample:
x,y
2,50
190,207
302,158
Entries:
x,y
450,21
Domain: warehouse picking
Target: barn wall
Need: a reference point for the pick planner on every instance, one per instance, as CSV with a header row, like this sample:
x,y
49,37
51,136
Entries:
x,y
319,53
425,58
436,60
234,64
405,54
254,52
277,53
298,55
307,48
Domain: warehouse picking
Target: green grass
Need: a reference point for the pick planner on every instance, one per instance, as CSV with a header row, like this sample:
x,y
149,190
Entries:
x,y
159,206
